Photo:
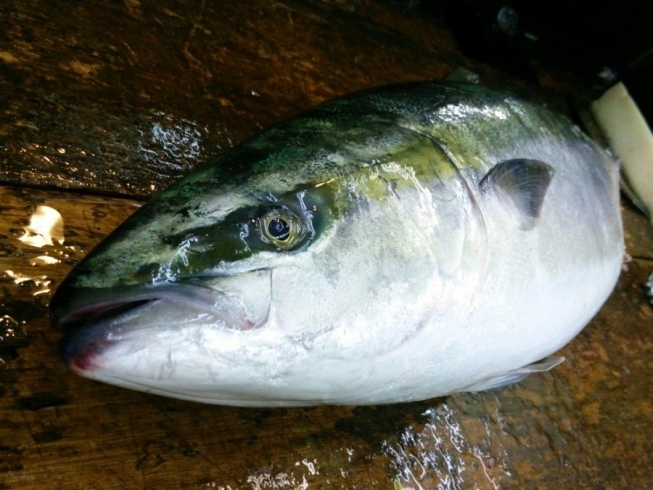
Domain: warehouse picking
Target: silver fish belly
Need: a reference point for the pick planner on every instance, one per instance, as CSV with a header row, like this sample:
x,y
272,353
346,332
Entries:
x,y
393,245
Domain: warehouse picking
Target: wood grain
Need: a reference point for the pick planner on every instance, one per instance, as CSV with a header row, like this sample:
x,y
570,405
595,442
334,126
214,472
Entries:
x,y
136,93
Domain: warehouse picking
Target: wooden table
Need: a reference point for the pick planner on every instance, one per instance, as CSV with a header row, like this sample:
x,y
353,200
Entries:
x,y
102,104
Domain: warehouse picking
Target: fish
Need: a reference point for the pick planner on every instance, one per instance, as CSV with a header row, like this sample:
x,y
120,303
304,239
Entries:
x,y
397,244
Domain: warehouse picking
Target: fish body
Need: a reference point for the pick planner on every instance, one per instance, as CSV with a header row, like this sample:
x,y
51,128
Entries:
x,y
397,244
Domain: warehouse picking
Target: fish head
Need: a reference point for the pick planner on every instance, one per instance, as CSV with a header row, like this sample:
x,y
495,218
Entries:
x,y
277,276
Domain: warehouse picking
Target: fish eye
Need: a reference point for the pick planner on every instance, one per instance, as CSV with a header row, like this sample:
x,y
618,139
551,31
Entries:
x,y
281,228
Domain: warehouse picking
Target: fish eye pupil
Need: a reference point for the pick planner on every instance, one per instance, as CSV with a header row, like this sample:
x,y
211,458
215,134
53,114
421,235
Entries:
x,y
279,229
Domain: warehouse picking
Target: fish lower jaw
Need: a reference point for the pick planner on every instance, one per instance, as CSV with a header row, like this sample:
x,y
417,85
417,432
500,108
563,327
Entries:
x,y
122,345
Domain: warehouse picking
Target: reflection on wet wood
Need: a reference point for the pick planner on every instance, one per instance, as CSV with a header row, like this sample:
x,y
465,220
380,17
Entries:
x,y
124,97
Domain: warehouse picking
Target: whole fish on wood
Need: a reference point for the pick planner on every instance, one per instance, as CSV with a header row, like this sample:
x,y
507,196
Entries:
x,y
397,244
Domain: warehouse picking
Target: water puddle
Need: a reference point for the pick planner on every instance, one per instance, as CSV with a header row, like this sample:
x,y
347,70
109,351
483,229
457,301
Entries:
x,y
38,247
444,455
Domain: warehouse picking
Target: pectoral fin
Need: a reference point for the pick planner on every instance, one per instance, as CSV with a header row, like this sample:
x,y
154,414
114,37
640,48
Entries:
x,y
516,375
521,184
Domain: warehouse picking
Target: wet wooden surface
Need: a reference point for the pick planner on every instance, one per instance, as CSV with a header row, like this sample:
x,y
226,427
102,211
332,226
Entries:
x,y
108,101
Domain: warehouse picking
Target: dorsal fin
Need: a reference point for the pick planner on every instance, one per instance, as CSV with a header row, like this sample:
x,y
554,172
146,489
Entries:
x,y
524,183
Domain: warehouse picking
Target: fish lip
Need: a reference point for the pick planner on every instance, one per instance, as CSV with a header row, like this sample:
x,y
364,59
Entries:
x,y
72,307
84,315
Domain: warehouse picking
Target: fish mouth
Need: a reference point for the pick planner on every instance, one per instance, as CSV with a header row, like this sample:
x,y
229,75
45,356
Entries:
x,y
93,320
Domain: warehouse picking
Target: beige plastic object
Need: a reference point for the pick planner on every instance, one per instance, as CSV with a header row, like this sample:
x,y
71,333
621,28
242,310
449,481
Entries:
x,y
631,140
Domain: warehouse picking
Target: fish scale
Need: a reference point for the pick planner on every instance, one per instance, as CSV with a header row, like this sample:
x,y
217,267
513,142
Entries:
x,y
435,238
